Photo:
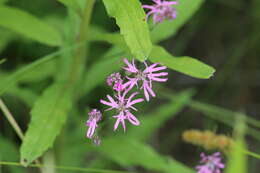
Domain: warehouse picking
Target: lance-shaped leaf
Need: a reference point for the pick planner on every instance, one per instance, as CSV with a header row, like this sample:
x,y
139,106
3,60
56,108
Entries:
x,y
48,115
129,152
72,4
153,121
130,17
28,25
186,65
185,10
9,152
28,72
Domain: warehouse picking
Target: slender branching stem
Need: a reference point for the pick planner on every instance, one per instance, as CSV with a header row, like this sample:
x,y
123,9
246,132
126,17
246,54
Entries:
x,y
11,119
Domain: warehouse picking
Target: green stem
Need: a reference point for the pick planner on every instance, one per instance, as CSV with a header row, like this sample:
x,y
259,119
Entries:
x,y
81,52
11,119
257,156
64,168
13,123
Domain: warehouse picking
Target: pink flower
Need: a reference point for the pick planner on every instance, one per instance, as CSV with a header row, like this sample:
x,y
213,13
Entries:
x,y
146,76
210,164
161,10
94,116
116,81
123,107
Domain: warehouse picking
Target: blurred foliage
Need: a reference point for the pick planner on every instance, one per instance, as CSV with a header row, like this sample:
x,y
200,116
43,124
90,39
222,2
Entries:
x,y
56,64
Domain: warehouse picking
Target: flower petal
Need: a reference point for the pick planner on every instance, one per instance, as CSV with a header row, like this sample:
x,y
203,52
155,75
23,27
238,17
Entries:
x,y
132,119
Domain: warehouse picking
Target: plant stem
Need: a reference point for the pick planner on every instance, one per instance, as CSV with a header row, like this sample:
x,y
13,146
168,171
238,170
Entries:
x,y
13,123
65,168
81,53
11,119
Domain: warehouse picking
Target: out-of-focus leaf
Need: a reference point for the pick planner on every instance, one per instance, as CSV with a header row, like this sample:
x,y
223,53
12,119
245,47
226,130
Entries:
x,y
6,37
3,1
186,65
9,152
185,10
24,94
130,17
72,4
48,116
129,152
28,25
43,71
98,34
101,69
237,161
226,116
18,75
153,121
2,61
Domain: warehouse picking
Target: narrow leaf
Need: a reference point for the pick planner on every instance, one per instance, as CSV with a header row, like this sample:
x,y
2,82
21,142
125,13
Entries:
x,y
2,61
48,115
28,25
99,34
154,120
72,4
9,152
22,73
128,152
130,17
186,65
3,1
6,37
101,69
185,10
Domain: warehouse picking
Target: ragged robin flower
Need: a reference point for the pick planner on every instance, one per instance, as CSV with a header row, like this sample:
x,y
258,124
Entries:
x,y
161,10
123,107
116,81
94,117
147,76
210,164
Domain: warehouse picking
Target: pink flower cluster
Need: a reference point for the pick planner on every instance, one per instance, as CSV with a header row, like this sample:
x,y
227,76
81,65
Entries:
x,y
161,10
124,100
210,164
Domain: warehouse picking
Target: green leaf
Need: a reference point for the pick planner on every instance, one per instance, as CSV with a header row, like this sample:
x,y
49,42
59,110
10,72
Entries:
x,y
237,161
22,73
72,4
43,71
3,1
6,37
99,34
2,61
226,116
130,17
185,10
25,94
101,69
186,65
29,26
154,120
9,152
48,116
128,152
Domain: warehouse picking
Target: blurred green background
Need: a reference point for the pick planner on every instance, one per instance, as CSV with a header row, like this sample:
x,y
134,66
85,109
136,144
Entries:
x,y
223,34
